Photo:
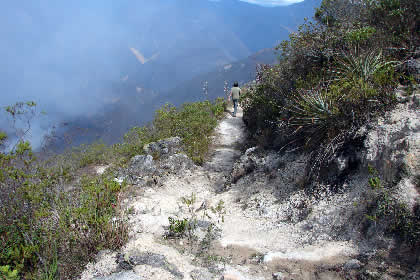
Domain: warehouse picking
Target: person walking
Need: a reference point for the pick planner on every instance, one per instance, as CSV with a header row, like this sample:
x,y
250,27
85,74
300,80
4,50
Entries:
x,y
235,93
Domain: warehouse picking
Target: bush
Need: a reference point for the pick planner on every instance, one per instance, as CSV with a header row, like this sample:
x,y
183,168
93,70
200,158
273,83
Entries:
x,y
134,141
88,221
333,76
394,216
7,274
47,231
262,101
193,122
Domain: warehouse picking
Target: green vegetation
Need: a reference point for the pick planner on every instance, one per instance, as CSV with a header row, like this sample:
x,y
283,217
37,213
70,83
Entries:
x,y
40,220
220,211
333,76
374,181
393,215
56,214
194,123
177,227
187,226
7,274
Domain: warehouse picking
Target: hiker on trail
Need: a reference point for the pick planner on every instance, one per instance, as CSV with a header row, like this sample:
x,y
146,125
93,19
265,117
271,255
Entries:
x,y
235,93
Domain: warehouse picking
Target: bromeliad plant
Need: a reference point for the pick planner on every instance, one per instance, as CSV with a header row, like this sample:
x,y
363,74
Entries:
x,y
358,75
315,123
314,112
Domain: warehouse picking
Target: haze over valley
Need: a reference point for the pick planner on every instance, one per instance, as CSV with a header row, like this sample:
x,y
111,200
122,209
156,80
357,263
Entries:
x,y
104,66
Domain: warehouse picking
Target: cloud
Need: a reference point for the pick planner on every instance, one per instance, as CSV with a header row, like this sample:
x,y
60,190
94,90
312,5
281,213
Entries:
x,y
272,3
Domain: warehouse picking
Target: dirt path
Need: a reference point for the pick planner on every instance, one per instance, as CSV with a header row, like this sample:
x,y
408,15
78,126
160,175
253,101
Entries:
x,y
240,246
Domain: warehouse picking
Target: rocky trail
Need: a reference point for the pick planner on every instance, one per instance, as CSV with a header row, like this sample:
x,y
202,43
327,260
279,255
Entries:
x,y
250,220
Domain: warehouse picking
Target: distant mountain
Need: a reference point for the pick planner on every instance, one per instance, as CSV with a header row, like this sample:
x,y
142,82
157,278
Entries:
x,y
241,71
200,35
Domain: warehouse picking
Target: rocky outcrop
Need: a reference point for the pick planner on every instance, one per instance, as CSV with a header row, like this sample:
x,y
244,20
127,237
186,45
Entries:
x,y
392,147
165,147
176,163
142,165
141,170
252,160
272,187
393,142
162,158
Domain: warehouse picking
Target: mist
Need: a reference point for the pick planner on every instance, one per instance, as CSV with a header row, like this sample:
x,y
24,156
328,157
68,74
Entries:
x,y
67,56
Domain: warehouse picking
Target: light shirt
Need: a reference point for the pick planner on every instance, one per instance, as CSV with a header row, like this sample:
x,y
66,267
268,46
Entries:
x,y
235,93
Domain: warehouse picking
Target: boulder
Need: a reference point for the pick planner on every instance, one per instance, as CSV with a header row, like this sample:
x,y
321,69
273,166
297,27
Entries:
x,y
122,263
176,163
142,165
352,264
245,165
255,160
165,147
141,169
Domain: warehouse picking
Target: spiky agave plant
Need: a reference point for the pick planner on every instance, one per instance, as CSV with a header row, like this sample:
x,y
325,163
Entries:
x,y
313,113
316,116
355,72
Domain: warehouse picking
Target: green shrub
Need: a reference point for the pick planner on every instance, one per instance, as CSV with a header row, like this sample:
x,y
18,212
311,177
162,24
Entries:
x,y
7,274
333,76
360,35
396,20
42,227
363,76
193,122
177,227
395,216
95,153
181,227
134,141
262,102
316,113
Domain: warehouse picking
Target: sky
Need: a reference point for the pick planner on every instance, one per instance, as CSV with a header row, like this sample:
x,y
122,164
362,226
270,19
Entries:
x,y
268,3
272,3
